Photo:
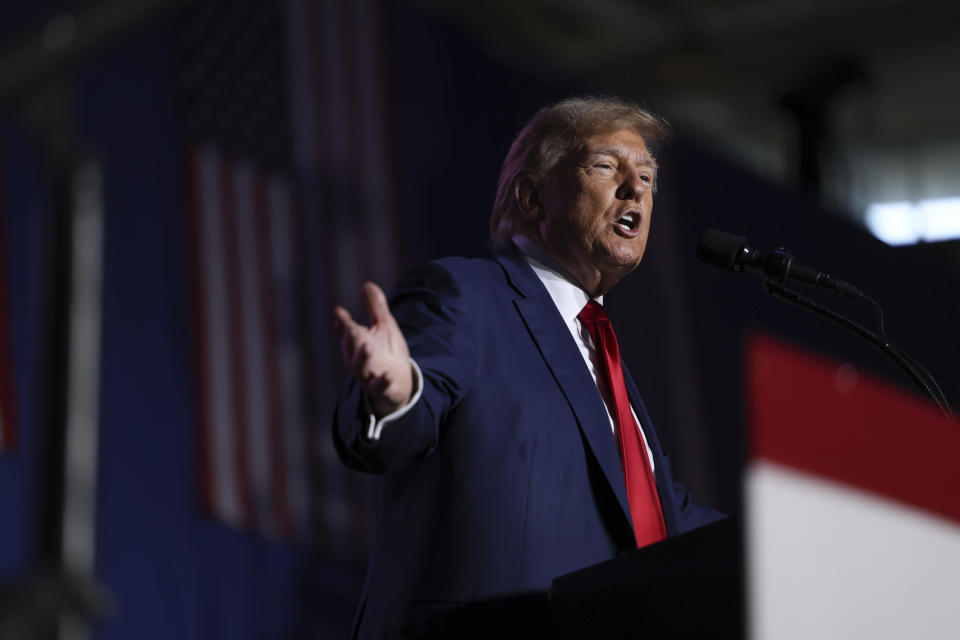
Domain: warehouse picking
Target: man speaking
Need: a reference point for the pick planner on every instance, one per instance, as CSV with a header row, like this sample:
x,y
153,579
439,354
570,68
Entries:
x,y
511,442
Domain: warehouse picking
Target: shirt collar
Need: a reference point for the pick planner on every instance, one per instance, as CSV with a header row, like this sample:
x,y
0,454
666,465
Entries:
x,y
567,296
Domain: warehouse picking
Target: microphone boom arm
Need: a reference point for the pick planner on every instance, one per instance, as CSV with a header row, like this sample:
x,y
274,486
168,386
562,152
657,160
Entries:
x,y
924,381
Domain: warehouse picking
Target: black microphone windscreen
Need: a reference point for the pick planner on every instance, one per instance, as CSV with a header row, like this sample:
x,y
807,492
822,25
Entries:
x,y
720,249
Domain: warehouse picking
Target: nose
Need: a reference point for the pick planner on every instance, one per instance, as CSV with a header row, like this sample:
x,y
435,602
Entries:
x,y
632,187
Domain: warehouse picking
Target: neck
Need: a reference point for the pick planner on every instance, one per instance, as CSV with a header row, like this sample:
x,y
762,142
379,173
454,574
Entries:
x,y
587,277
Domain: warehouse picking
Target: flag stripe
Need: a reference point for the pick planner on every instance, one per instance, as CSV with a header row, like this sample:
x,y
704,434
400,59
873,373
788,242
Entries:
x,y
253,368
237,352
266,210
221,494
288,353
225,499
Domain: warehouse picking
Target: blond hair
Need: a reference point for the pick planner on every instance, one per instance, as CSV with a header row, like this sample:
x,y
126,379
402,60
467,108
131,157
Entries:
x,y
551,135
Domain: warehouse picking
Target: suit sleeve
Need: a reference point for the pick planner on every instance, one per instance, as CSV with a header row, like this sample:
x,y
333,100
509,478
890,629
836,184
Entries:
x,y
690,514
435,318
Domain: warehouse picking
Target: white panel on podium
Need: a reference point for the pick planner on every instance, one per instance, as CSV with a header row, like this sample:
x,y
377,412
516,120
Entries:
x,y
829,561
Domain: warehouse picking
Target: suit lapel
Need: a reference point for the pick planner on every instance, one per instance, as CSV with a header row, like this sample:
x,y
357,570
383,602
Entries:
x,y
565,362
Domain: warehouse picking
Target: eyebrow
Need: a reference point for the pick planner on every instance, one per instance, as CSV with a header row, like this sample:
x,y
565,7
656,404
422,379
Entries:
x,y
647,160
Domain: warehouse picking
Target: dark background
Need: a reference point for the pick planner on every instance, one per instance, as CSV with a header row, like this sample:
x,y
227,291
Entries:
x,y
412,115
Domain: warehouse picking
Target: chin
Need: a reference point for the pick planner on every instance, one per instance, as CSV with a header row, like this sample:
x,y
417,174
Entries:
x,y
626,257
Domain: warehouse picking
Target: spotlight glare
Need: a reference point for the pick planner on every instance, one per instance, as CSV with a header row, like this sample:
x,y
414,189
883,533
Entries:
x,y
895,223
941,219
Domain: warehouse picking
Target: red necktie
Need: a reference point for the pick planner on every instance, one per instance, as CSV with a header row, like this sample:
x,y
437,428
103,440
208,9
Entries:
x,y
642,495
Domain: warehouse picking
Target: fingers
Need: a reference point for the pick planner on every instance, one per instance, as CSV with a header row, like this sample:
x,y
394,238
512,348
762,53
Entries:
x,y
342,321
376,303
349,333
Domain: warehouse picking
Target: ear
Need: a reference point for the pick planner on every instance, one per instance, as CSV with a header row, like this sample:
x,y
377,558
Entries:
x,y
526,196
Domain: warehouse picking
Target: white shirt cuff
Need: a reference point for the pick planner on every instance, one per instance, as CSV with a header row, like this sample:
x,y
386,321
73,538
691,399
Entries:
x,y
375,427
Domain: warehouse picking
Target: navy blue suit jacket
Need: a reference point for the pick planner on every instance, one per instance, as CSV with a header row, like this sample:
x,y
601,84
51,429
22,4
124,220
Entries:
x,y
505,474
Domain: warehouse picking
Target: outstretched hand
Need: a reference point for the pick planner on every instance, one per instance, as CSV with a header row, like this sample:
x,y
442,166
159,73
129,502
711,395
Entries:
x,y
376,355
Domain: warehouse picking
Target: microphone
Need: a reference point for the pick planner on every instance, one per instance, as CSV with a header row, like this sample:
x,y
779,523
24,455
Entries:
x,y
735,253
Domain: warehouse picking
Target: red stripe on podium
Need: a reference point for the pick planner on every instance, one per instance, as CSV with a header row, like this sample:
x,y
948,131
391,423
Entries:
x,y
828,419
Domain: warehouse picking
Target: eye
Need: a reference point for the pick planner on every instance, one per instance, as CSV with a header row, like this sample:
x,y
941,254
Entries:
x,y
604,165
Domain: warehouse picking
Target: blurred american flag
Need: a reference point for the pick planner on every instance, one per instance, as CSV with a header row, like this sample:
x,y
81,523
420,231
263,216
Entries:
x,y
250,346
293,206
251,352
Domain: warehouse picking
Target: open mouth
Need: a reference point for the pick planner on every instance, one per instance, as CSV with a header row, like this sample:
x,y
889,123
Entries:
x,y
628,223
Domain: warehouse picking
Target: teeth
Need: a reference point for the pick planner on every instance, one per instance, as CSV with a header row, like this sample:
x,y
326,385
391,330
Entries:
x,y
627,221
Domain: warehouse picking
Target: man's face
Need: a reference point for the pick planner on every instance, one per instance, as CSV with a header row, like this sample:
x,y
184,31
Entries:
x,y
597,209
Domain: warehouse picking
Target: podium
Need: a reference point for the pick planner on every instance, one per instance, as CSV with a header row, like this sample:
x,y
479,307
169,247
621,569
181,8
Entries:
x,y
852,494
689,586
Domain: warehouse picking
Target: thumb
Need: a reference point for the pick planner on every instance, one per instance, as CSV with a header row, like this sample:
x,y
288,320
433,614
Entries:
x,y
375,300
